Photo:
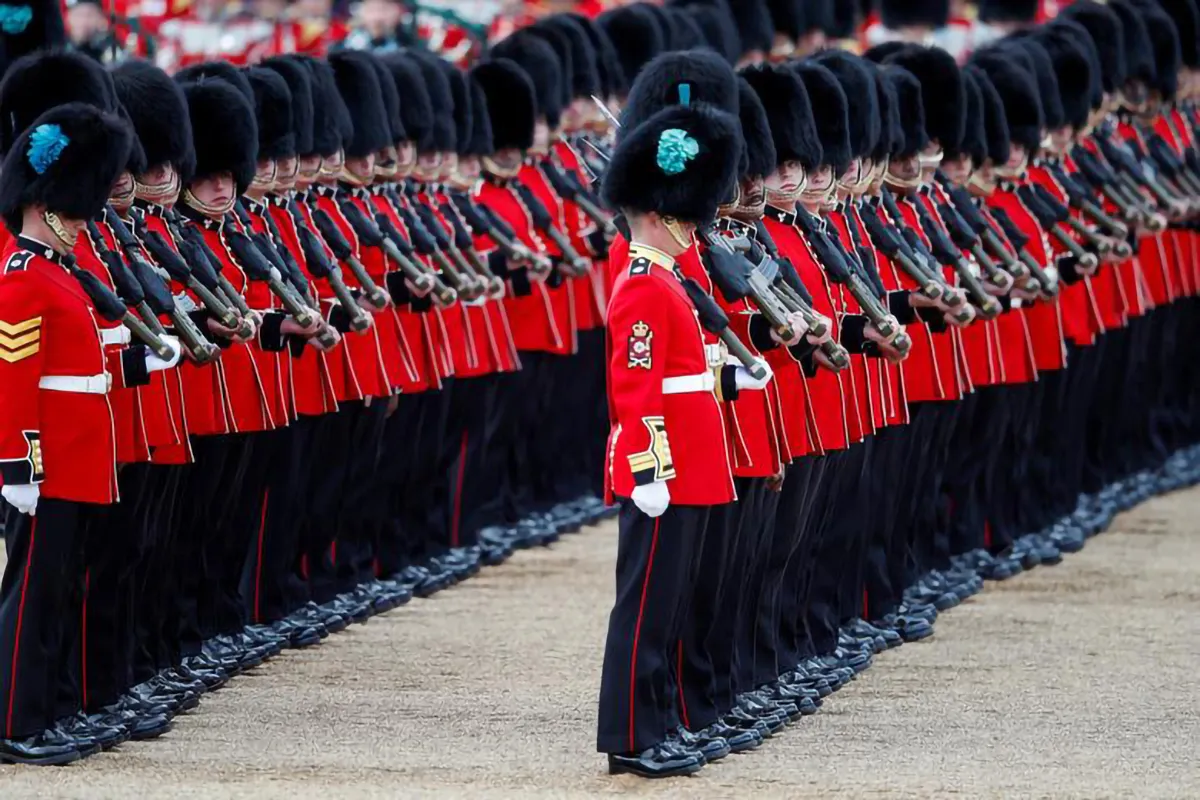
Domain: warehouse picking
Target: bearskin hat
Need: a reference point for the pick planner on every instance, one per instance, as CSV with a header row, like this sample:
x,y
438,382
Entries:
x,y
391,101
540,63
789,114
974,143
891,134
828,98
332,126
358,85
39,29
585,75
38,82
1139,52
609,74
759,155
1018,91
942,94
787,17
218,69
681,162
717,26
273,113
1008,11
1164,42
464,126
299,82
441,101
858,82
635,35
914,13
709,79
1104,27
819,15
67,160
159,114
686,33
511,105
1042,69
995,123
754,27
224,129
480,142
1074,67
564,59
910,104
416,106
1186,15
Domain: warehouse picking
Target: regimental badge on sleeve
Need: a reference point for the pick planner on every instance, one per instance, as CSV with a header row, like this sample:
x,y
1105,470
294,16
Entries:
x,y
639,346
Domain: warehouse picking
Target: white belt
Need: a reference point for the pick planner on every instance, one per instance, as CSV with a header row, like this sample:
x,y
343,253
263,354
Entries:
x,y
79,384
117,335
686,384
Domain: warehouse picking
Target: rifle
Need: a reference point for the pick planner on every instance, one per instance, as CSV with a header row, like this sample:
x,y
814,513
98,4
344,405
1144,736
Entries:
x,y
948,255
973,216
714,320
465,245
321,267
1049,215
112,309
578,265
566,186
1047,281
345,255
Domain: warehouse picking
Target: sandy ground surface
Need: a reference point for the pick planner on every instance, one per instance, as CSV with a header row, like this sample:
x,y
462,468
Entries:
x,y
1078,681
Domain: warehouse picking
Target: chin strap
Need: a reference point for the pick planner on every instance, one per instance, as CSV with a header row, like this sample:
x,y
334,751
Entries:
x,y
64,235
209,210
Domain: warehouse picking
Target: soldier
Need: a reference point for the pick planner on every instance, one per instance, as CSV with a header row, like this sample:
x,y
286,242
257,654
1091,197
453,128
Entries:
x,y
667,459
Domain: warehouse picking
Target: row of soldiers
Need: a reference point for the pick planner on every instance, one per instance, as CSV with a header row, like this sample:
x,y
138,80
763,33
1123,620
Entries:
x,y
281,347
882,327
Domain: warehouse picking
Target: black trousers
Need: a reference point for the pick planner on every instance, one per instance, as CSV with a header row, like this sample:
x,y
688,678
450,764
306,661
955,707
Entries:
x,y
43,574
353,551
656,568
472,406
158,604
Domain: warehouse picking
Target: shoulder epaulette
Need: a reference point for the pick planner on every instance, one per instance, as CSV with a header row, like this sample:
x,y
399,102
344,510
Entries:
x,y
640,266
17,261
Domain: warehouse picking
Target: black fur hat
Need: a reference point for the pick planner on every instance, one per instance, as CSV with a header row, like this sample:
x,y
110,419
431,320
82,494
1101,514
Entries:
x,y
1042,69
358,85
1104,26
651,170
1139,53
585,74
38,82
159,114
1008,10
830,105
686,33
67,160
443,137
391,101
480,142
862,113
974,142
218,69
1074,67
532,54
754,26
1164,41
708,77
995,123
819,15
717,26
942,94
1186,15
910,104
758,144
847,19
636,36
464,126
224,131
511,105
332,126
1018,92
891,134
609,74
299,82
789,114
41,30
416,106
273,113
787,16
913,13
564,58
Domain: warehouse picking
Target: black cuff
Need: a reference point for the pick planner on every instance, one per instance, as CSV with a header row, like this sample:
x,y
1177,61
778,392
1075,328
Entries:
x,y
1068,270
270,334
556,276
900,306
28,469
808,365
854,332
1005,302
598,243
397,288
643,477
498,263
133,366
933,318
200,318
871,350
521,285
296,345
760,334
729,390
802,349
339,318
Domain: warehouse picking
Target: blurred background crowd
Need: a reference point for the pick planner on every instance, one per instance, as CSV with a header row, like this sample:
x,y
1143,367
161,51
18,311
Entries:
x,y
177,33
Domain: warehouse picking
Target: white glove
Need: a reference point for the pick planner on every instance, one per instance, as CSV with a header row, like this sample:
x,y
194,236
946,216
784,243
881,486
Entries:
x,y
23,496
745,381
156,364
652,499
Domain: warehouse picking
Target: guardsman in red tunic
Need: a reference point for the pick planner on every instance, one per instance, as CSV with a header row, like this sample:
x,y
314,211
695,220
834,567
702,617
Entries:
x,y
57,448
668,463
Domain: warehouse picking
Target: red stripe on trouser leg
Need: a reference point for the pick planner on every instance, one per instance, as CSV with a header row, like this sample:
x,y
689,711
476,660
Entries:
x,y
987,534
304,566
12,686
679,683
462,468
637,631
865,614
262,528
